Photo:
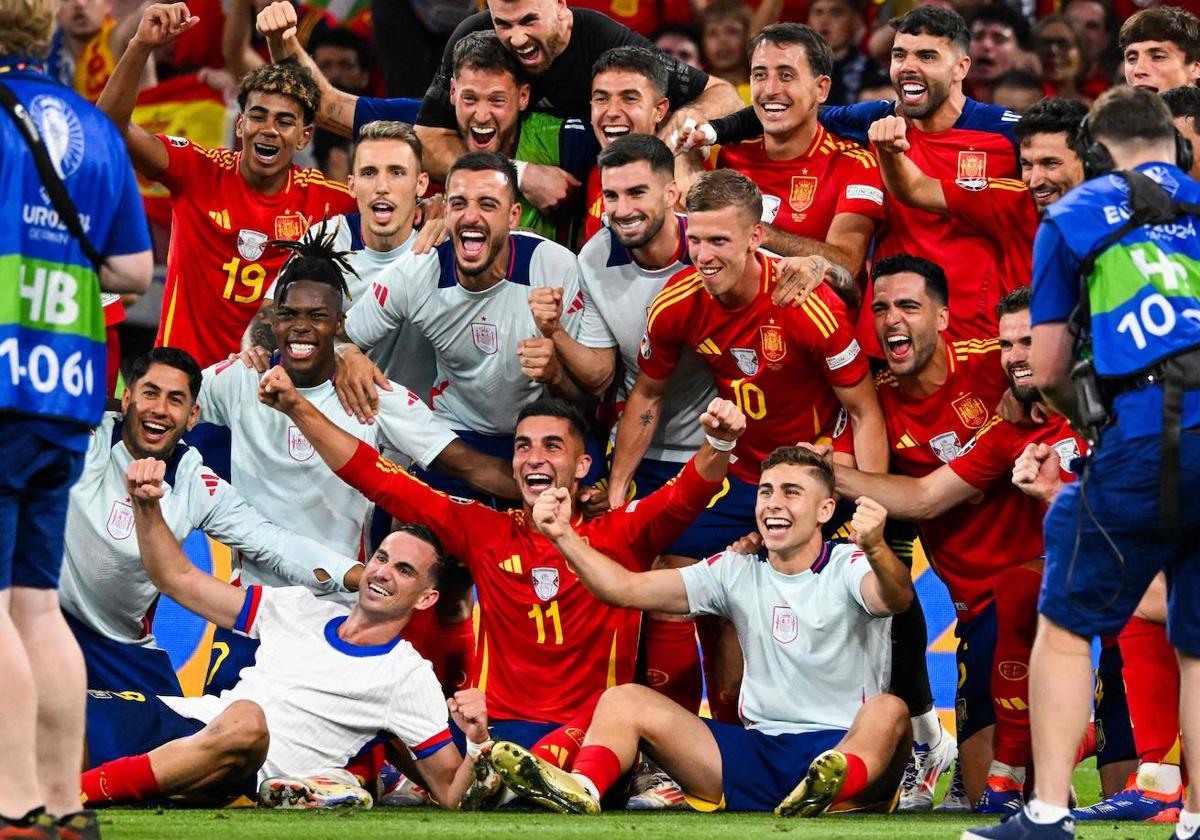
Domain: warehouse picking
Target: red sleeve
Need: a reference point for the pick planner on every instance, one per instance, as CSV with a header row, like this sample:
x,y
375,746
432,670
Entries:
x,y
990,454
663,341
639,531
460,525
1004,207
187,163
860,186
825,329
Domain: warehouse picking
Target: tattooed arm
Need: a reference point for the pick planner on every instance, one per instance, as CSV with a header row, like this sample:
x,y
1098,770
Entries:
x,y
635,430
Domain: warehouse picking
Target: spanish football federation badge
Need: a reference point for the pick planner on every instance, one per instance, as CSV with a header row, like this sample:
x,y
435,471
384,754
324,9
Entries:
x,y
804,189
972,170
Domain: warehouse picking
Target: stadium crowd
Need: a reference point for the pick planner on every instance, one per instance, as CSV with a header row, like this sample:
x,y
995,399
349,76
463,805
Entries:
x,y
575,386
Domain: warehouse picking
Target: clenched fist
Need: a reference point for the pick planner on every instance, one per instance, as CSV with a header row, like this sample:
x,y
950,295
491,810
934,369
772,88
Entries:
x,y
144,480
889,136
867,523
723,420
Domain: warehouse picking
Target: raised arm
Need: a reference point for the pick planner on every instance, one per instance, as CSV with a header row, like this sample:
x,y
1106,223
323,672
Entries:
x,y
446,774
661,590
592,368
846,243
440,148
160,24
901,176
906,497
485,473
168,567
335,446
888,589
277,23
635,430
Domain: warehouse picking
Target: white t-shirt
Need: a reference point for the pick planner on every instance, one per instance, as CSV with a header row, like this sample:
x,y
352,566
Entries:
x,y
104,583
813,653
480,386
618,296
277,470
324,699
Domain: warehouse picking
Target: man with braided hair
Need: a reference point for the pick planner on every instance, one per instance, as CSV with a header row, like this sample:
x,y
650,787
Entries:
x,y
226,206
274,465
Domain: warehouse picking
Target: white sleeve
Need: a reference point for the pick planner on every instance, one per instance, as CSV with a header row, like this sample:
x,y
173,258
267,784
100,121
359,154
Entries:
x,y
417,712
100,443
409,426
383,309
221,512
220,395
593,330
853,568
574,300
706,585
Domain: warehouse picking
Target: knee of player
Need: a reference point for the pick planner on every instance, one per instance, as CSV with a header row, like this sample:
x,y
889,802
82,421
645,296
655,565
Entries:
x,y
243,736
624,701
889,710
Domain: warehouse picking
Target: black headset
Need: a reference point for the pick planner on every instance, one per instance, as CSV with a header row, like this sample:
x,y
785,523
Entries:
x,y
1097,161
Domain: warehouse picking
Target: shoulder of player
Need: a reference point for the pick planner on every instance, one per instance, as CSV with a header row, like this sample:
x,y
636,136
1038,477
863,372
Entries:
x,y
220,158
822,309
967,349
993,119
848,153
595,252
733,154
885,380
543,257
397,400
840,555
681,292
310,177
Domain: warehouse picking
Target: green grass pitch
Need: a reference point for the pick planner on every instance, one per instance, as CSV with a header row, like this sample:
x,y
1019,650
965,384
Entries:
x,y
430,824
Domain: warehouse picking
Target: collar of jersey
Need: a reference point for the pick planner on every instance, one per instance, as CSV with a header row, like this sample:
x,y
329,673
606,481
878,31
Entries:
x,y
816,568
20,64
619,255
342,646
172,462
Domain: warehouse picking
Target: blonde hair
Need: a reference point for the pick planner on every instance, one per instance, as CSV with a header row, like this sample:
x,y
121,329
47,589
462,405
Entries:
x,y
26,27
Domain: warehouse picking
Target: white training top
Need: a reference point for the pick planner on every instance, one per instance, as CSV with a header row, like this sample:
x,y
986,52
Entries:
x,y
479,384
813,653
324,699
104,583
618,296
277,470
405,355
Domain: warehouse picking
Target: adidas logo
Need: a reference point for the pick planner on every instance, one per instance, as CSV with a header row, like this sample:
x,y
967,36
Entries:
x,y
512,564
221,217
708,347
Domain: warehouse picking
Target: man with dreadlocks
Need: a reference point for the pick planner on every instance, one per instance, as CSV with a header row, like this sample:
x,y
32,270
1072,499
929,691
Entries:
x,y
226,206
274,465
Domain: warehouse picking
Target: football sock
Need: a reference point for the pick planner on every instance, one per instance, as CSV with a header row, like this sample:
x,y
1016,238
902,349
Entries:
x,y
562,745
927,729
1040,812
1160,778
366,765
457,652
599,765
1006,771
1151,675
1016,625
673,661
856,778
1189,821
128,779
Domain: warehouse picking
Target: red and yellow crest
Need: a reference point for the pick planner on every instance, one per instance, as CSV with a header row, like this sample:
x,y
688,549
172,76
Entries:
x,y
290,226
971,410
804,189
774,348
972,165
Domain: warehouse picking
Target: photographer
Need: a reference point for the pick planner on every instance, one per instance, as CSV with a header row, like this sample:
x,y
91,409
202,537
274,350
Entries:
x,y
1116,347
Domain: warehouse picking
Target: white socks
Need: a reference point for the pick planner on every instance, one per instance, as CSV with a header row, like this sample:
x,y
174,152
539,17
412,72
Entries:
x,y
1160,778
1045,814
927,729
1189,822
999,768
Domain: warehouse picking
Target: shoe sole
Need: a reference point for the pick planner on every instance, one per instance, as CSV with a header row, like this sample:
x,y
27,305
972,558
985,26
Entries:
x,y
294,796
521,773
817,790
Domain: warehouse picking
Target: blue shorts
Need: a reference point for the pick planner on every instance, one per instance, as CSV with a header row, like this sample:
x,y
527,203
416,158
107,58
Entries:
x,y
976,653
231,652
759,770
118,666
1114,731
523,733
35,486
1100,557
728,517
131,723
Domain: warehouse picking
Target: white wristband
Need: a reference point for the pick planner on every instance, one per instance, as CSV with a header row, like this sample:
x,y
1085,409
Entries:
x,y
520,165
475,750
720,445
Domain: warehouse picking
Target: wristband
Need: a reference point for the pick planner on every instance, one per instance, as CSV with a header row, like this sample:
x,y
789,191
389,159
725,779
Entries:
x,y
720,445
520,165
475,750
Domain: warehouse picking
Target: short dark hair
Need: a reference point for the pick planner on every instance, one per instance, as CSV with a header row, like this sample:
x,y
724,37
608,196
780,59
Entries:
x,y
483,51
1019,78
389,130
1051,115
557,407
935,21
816,48
633,148
1004,15
171,357
644,62
425,535
315,260
935,279
287,78
1123,114
723,188
800,456
1018,300
1184,102
1163,23
340,36
487,162
726,10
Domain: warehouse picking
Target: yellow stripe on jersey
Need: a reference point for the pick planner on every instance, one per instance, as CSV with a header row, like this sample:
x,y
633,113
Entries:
x,y
988,426
819,312
672,295
817,319
975,347
611,679
708,347
906,442
862,156
511,564
1007,184
170,319
481,683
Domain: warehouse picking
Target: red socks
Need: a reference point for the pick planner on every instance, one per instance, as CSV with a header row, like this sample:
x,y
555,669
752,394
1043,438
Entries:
x,y
1151,675
367,764
458,653
600,765
560,746
856,778
128,779
1016,625
673,661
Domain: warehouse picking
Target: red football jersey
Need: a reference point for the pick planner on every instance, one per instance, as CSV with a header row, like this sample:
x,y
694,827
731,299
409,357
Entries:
x,y
926,432
219,265
1005,209
593,220
992,452
545,645
974,272
801,195
778,364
